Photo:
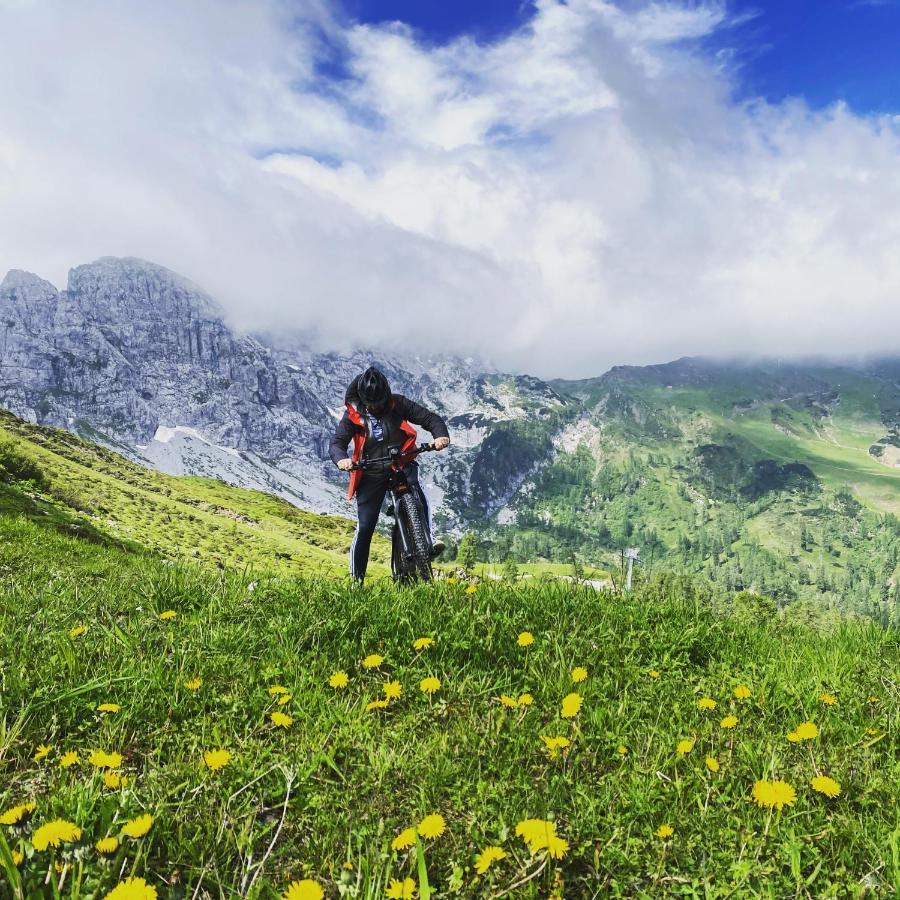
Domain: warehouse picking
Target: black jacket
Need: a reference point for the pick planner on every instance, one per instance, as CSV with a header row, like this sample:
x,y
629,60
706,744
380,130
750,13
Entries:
x,y
403,408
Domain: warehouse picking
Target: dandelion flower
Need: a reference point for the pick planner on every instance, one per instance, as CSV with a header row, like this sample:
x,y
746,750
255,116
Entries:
x,y
68,759
132,889
825,785
579,674
109,707
372,661
431,826
728,722
571,706
706,703
741,692
654,673
16,814
281,720
401,890
555,744
664,832
404,840
102,760
168,615
805,731
828,699
471,589
685,746
216,759
525,639
282,699
712,764
307,889
54,833
540,834
107,845
430,685
277,689
42,751
193,684
392,690
622,750
113,780
488,857
78,631
452,580
773,794
17,857
338,680
871,732
376,704
525,699
873,700
137,828
509,702
423,643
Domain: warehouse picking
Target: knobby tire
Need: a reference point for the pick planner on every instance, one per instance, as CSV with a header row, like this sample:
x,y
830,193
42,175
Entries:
x,y
418,532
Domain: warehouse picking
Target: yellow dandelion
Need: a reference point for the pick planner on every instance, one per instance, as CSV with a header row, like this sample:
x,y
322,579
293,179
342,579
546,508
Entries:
x,y
281,699
17,857
401,890
825,785
452,580
107,845
622,750
471,589
430,685
404,840
509,702
540,834
706,703
338,680
16,814
828,699
78,631
305,889
108,707
525,639
685,746
805,731
431,826
372,661
653,673
871,732
873,700
571,706
167,615
102,760
277,689
392,690
281,720
579,674
216,759
488,857
555,744
773,794
113,780
42,751
132,889
54,833
193,684
728,722
423,643
741,692
712,764
376,704
68,759
138,827
525,700
664,832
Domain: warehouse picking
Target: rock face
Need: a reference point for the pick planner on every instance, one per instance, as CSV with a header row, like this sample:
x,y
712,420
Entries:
x,y
136,357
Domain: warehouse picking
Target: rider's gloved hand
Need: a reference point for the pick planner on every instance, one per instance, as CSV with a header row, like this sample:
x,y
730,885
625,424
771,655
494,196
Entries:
x,y
345,464
441,442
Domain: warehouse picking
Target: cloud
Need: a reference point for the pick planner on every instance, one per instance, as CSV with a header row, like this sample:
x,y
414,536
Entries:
x,y
582,192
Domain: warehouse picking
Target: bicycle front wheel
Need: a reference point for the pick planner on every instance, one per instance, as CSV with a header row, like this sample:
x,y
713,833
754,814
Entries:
x,y
411,510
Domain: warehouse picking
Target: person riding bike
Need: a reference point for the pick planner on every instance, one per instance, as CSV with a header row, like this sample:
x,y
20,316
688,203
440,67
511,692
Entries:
x,y
376,419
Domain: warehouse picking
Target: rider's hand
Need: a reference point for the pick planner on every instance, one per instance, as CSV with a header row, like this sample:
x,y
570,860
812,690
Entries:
x,y
441,442
345,464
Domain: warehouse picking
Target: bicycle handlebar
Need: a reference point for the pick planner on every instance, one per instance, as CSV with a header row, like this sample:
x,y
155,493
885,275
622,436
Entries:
x,y
394,456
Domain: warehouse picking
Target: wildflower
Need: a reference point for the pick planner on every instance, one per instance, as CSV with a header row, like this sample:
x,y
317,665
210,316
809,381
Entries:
x,y
307,889
805,731
113,780
487,857
728,722
281,720
525,639
404,840
54,833
68,759
873,700
137,828
167,615
741,692
540,834
216,759
277,689
706,703
401,890
622,750
423,643
712,764
471,589
509,702
42,751
392,690
525,700
431,826
871,732
102,760
17,857
373,661
132,889
108,707
828,699
653,673
193,684
571,706
107,845
664,832
78,631
825,785
377,704
452,580
430,685
282,699
16,814
338,680
775,794
685,746
579,674
555,744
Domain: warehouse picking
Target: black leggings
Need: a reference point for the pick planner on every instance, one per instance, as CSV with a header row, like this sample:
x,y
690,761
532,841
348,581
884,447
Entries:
x,y
369,499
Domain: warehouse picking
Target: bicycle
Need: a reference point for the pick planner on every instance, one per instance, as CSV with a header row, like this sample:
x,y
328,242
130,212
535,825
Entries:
x,y
411,548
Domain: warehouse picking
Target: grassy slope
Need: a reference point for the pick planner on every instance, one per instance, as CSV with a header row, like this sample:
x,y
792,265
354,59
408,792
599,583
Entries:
x,y
346,780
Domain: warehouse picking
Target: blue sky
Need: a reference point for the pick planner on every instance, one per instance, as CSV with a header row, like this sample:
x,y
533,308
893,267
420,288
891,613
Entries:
x,y
822,50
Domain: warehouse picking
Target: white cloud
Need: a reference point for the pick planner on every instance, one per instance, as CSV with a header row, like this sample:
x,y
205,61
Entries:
x,y
582,192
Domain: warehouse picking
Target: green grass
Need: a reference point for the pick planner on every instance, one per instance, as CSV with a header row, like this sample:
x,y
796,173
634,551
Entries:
x,y
341,782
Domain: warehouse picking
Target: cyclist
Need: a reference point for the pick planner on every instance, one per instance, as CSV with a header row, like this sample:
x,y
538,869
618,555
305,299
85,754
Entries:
x,y
374,420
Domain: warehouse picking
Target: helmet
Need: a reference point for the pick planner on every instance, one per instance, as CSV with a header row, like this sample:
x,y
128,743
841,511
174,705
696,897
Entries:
x,y
374,390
